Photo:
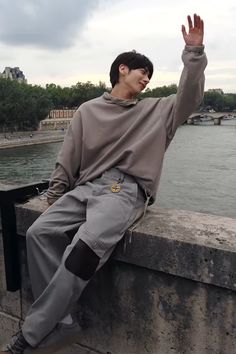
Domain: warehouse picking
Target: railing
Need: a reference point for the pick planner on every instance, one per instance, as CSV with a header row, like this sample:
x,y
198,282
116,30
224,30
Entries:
x,y
8,197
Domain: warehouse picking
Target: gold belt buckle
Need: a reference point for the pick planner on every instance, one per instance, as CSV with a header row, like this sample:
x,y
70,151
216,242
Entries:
x,y
115,187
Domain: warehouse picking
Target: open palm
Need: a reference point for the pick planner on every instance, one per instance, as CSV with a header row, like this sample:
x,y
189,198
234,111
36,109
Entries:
x,y
195,33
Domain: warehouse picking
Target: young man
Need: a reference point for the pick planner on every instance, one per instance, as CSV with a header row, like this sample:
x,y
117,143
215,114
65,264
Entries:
x,y
107,171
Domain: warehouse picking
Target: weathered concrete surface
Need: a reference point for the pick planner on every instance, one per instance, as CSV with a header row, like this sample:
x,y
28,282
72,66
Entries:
x,y
197,246
171,292
136,310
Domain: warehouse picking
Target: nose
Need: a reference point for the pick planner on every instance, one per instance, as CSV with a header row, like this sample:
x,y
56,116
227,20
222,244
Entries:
x,y
146,79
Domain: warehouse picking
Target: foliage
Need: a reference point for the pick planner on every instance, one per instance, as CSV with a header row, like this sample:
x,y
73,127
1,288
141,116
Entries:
x,y
23,106
74,96
160,91
219,101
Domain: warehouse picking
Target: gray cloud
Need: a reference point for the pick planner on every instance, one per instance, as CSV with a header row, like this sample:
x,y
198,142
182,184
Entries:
x,y
50,24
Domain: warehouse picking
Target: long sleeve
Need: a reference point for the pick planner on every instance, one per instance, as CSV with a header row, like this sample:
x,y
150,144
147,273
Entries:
x,y
67,167
177,108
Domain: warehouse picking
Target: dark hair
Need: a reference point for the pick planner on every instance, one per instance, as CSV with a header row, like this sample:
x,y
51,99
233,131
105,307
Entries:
x,y
134,61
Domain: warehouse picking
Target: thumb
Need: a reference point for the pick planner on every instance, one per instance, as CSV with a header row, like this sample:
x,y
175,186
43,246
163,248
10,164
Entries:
x,y
183,29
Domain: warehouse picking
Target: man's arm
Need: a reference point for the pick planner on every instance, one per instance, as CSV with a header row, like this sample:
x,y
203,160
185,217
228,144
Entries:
x,y
58,184
67,167
177,108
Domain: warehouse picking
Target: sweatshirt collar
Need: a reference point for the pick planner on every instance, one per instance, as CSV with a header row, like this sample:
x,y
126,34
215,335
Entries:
x,y
119,101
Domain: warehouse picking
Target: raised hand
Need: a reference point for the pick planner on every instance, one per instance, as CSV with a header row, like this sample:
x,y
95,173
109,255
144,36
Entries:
x,y
195,33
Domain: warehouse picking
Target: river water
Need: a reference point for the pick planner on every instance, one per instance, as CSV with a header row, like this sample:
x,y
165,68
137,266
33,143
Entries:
x,y
199,170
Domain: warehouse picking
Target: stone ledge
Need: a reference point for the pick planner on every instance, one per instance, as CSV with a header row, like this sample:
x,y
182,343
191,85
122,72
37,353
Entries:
x,y
192,245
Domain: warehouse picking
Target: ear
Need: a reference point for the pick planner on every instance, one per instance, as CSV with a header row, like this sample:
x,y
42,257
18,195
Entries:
x,y
123,70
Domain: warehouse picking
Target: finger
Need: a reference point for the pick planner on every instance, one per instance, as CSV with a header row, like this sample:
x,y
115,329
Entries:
x,y
190,24
198,22
202,26
195,20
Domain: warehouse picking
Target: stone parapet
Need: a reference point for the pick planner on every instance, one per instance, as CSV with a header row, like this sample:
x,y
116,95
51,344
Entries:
x,y
169,288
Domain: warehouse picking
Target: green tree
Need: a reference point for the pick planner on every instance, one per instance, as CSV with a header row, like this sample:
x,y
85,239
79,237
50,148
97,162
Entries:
x,y
22,106
160,91
214,99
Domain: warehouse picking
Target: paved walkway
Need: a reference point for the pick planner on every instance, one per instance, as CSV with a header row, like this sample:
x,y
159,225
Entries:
x,y
15,139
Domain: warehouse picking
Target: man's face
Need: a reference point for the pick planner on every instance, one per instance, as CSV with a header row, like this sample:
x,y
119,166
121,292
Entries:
x,y
135,80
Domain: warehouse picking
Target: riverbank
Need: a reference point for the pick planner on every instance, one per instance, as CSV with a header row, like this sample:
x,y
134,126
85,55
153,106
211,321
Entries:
x,y
11,140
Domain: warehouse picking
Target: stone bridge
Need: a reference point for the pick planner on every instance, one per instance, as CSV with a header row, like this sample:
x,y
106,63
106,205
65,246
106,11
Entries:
x,y
216,117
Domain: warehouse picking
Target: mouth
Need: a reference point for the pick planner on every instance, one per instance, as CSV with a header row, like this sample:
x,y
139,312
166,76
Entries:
x,y
142,85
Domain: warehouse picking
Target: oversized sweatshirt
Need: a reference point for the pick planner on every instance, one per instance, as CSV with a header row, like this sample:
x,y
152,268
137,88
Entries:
x,y
131,135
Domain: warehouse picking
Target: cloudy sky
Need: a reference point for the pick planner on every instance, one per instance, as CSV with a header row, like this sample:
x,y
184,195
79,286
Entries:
x,y
66,41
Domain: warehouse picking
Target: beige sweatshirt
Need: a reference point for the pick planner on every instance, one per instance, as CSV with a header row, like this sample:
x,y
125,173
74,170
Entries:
x,y
131,135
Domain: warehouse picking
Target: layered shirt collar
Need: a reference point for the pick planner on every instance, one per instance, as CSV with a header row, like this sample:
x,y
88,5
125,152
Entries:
x,y
121,102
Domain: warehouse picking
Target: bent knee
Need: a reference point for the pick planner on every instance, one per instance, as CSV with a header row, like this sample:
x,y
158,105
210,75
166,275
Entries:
x,y
35,231
82,261
31,232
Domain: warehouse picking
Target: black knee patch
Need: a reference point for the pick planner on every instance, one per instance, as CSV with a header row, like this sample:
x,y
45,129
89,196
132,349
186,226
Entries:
x,y
82,261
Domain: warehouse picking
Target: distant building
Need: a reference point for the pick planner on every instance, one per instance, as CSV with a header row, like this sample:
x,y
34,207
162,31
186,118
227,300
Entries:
x,y
61,113
57,119
13,74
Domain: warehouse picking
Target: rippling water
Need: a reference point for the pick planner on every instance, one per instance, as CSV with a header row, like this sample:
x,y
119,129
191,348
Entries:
x,y
28,164
199,170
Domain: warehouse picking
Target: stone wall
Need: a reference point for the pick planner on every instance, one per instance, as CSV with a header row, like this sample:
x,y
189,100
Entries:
x,y
172,290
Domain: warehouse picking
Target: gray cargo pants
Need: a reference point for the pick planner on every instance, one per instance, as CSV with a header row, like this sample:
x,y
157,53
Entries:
x,y
71,240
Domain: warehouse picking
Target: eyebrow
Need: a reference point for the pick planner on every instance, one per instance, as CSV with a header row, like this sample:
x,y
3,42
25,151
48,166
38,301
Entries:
x,y
146,70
